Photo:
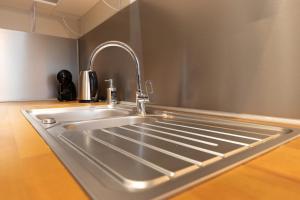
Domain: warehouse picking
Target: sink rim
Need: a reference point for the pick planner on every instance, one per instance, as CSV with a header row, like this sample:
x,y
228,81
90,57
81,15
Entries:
x,y
170,187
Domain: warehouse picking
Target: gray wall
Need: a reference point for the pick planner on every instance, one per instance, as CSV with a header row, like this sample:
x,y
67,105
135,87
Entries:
x,y
29,64
235,55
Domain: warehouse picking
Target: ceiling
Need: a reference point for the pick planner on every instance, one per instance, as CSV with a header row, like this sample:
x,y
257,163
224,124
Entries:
x,y
76,8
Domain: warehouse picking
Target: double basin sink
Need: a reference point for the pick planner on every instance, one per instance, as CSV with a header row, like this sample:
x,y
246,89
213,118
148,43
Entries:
x,y
114,153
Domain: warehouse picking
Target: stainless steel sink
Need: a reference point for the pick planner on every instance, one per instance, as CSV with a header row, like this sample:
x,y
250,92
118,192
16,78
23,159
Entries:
x,y
114,153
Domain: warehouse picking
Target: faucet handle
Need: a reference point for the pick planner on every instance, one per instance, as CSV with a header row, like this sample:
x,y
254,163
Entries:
x,y
148,84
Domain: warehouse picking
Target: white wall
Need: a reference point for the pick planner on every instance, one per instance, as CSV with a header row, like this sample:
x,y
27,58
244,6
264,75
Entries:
x,y
100,13
21,20
29,63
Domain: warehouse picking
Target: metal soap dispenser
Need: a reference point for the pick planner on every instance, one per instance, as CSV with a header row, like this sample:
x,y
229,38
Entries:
x,y
111,92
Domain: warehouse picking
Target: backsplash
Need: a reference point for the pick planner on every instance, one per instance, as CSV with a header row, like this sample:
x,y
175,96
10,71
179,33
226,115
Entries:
x,y
29,63
235,56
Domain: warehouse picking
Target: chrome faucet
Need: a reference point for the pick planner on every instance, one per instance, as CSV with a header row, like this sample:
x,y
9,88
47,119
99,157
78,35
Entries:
x,y
141,98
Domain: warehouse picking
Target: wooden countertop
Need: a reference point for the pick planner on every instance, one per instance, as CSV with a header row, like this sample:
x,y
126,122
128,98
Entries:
x,y
30,170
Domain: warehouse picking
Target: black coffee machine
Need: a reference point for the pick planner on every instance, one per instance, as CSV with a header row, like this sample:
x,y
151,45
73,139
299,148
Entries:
x,y
66,89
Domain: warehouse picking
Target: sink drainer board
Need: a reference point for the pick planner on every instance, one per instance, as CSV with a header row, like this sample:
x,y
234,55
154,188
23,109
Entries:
x,y
150,157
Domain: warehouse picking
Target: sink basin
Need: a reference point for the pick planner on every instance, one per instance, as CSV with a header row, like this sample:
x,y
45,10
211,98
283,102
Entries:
x,y
112,152
77,114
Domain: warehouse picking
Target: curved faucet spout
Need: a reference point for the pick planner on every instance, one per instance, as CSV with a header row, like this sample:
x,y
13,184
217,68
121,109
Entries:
x,y
124,46
141,98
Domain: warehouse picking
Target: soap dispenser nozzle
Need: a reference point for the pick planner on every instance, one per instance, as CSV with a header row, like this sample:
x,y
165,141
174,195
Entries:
x,y
110,82
111,92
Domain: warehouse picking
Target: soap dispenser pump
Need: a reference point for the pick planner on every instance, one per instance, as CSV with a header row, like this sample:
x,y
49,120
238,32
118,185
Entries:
x,y
111,92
